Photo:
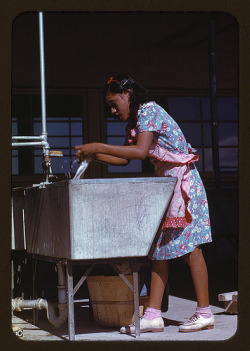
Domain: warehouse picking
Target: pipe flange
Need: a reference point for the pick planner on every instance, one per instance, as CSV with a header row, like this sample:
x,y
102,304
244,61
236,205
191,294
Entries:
x,y
16,304
41,303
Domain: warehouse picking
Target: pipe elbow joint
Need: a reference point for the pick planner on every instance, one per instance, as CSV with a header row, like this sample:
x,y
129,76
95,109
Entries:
x,y
62,316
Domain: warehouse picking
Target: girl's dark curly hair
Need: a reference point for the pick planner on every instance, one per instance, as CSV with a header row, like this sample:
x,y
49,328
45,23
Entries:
x,y
123,83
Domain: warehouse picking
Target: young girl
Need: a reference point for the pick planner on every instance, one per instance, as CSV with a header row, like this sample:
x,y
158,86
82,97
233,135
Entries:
x,y
152,133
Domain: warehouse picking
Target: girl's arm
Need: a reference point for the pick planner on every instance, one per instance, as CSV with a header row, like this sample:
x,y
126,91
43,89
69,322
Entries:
x,y
111,160
131,152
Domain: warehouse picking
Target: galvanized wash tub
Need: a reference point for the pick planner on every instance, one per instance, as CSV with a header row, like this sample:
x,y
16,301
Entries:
x,y
95,218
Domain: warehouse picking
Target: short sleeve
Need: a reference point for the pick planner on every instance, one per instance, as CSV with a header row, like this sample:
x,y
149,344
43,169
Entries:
x,y
153,118
149,118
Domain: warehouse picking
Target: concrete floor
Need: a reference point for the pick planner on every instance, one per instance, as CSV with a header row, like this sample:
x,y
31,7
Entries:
x,y
87,330
223,277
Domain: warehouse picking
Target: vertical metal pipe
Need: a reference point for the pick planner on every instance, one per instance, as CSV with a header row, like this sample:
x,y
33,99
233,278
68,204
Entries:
x,y
42,75
62,293
213,104
46,161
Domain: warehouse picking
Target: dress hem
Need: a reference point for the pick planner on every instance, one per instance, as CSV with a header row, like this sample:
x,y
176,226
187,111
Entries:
x,y
180,255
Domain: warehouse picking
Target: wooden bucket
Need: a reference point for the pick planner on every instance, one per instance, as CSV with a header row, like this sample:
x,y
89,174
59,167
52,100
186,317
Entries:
x,y
113,301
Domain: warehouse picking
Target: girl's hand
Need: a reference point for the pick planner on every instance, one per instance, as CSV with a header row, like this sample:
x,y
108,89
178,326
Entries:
x,y
82,151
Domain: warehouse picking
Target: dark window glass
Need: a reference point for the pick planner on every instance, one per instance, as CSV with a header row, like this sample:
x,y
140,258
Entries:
x,y
192,132
14,126
206,110
207,134
208,160
14,165
76,128
115,140
184,108
228,134
75,141
227,108
55,142
53,128
228,158
65,130
134,166
116,128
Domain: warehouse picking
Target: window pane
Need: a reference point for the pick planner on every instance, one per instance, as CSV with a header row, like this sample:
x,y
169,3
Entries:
x,y
208,160
206,110
76,141
37,128
76,128
14,165
207,134
229,158
228,134
133,166
14,126
14,152
53,128
37,165
60,165
38,152
192,133
58,142
74,164
116,140
57,119
227,108
184,108
116,128
61,128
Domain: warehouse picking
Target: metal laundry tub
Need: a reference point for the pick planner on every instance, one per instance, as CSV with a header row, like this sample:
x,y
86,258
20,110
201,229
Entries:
x,y
93,218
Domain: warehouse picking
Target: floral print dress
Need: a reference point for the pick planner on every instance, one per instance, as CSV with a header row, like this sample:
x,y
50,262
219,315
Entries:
x,y
186,224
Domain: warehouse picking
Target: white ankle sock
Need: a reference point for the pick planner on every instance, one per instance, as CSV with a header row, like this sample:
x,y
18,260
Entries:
x,y
151,313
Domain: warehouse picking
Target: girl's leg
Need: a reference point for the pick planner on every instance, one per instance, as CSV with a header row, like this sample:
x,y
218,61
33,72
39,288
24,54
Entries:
x,y
203,317
198,269
152,320
159,277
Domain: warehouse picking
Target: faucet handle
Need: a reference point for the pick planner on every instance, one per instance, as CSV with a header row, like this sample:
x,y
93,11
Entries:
x,y
54,153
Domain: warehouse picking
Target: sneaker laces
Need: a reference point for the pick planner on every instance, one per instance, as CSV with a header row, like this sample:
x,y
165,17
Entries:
x,y
193,319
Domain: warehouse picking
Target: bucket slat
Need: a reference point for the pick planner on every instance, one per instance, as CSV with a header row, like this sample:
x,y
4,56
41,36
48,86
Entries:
x,y
112,300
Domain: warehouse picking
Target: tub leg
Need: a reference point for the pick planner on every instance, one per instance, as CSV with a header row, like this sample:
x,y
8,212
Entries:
x,y
136,303
135,289
71,316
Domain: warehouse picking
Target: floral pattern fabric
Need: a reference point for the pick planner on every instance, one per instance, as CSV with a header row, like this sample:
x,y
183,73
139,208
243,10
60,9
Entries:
x,y
187,223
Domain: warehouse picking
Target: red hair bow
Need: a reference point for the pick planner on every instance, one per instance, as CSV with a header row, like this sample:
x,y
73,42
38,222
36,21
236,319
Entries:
x,y
111,79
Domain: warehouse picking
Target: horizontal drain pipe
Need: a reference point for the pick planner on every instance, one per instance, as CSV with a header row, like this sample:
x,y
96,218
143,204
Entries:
x,y
18,304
